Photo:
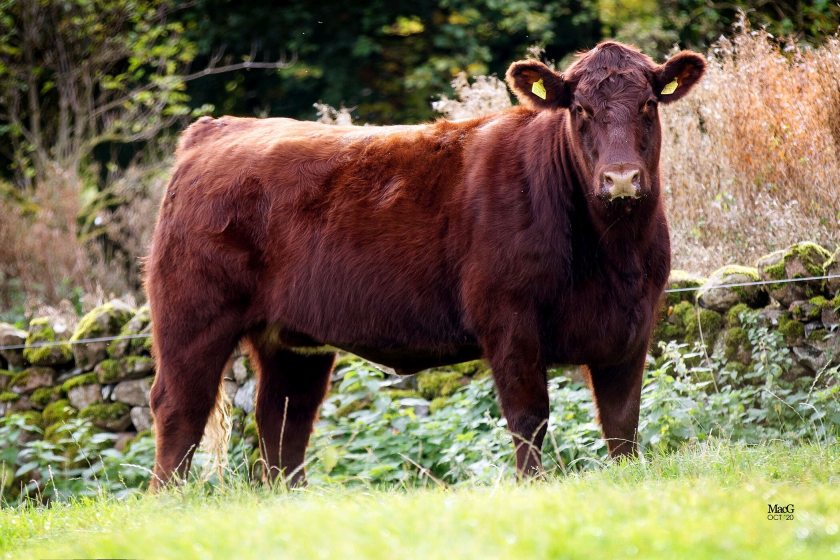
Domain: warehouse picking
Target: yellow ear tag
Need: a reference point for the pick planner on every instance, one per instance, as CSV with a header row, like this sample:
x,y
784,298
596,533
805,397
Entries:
x,y
538,89
671,87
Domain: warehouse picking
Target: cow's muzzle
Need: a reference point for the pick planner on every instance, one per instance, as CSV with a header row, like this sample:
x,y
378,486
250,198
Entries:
x,y
622,182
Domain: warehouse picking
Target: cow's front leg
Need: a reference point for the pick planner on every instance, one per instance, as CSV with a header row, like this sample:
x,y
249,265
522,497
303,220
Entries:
x,y
617,393
523,392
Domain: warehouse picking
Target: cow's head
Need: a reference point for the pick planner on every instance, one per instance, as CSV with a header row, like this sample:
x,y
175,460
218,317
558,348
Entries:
x,y
611,93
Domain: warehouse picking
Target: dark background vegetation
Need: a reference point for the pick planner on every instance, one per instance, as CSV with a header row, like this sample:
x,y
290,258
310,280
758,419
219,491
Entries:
x,y
93,93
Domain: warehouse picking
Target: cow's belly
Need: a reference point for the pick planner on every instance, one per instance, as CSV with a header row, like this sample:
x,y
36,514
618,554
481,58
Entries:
x,y
404,361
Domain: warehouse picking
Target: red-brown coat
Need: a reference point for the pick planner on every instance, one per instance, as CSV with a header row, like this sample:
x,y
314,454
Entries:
x,y
529,237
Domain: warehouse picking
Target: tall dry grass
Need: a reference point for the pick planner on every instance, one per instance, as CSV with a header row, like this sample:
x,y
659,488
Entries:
x,y
48,252
751,159
39,254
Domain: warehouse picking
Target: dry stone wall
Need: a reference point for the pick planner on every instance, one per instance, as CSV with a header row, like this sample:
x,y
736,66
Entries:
x,y
108,382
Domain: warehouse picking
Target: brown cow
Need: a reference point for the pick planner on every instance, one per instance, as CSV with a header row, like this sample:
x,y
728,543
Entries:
x,y
530,237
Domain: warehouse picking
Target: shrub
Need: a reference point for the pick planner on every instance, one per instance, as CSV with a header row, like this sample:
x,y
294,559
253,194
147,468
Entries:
x,y
750,159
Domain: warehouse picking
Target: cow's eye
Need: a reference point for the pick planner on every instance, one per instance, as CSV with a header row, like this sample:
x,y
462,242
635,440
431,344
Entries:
x,y
649,105
580,110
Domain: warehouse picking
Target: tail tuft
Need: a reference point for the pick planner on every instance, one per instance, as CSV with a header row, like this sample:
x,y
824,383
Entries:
x,y
217,435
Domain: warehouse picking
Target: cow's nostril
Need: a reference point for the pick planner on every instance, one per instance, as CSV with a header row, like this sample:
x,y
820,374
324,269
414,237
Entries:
x,y
608,181
635,178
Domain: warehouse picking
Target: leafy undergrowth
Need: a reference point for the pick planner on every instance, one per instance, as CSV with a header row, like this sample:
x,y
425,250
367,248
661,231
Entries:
x,y
709,500
372,434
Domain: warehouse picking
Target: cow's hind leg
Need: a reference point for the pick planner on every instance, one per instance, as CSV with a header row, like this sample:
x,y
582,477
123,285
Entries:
x,y
617,393
190,362
291,388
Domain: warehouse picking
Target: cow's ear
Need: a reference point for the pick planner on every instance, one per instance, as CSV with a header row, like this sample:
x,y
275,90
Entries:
x,y
537,86
678,75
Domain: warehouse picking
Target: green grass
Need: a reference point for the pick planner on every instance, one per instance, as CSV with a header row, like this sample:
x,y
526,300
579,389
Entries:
x,y
706,501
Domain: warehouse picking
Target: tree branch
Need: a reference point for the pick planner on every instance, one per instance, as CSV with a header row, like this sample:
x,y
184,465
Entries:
x,y
210,70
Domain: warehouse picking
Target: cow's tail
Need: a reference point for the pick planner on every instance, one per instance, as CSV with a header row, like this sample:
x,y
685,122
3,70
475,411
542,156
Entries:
x,y
217,435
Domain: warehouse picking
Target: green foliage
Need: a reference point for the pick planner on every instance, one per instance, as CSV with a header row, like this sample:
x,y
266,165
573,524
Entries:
x,y
75,74
372,434
75,461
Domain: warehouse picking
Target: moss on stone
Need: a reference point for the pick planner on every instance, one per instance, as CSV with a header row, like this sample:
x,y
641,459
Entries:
x,y
736,344
58,411
806,311
129,367
733,269
435,384
20,378
733,316
45,395
469,369
817,335
672,325
250,429
679,279
437,404
108,370
105,411
713,295
78,381
8,396
791,329
103,320
666,331
776,269
138,324
819,301
5,377
134,362
31,417
20,381
812,256
41,330
51,432
403,394
699,321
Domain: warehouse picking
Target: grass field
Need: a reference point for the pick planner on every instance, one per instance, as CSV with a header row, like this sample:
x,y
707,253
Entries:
x,y
707,501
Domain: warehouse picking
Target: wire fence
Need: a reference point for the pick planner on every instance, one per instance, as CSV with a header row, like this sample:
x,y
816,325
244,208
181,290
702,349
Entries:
x,y
46,344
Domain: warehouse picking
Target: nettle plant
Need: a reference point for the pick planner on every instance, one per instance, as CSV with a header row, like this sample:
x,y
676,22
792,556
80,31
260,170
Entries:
x,y
689,395
371,432
74,460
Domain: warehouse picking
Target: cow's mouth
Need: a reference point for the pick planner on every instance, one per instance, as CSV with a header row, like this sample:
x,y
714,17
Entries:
x,y
621,197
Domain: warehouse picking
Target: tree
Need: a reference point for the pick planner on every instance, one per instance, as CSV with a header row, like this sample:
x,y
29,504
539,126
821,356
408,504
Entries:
x,y
76,74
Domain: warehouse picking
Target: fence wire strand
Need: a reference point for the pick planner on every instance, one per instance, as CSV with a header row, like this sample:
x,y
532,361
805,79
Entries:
x,y
46,344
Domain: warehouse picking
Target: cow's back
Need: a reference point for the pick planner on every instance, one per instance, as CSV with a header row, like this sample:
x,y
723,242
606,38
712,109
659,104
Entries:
x,y
339,233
